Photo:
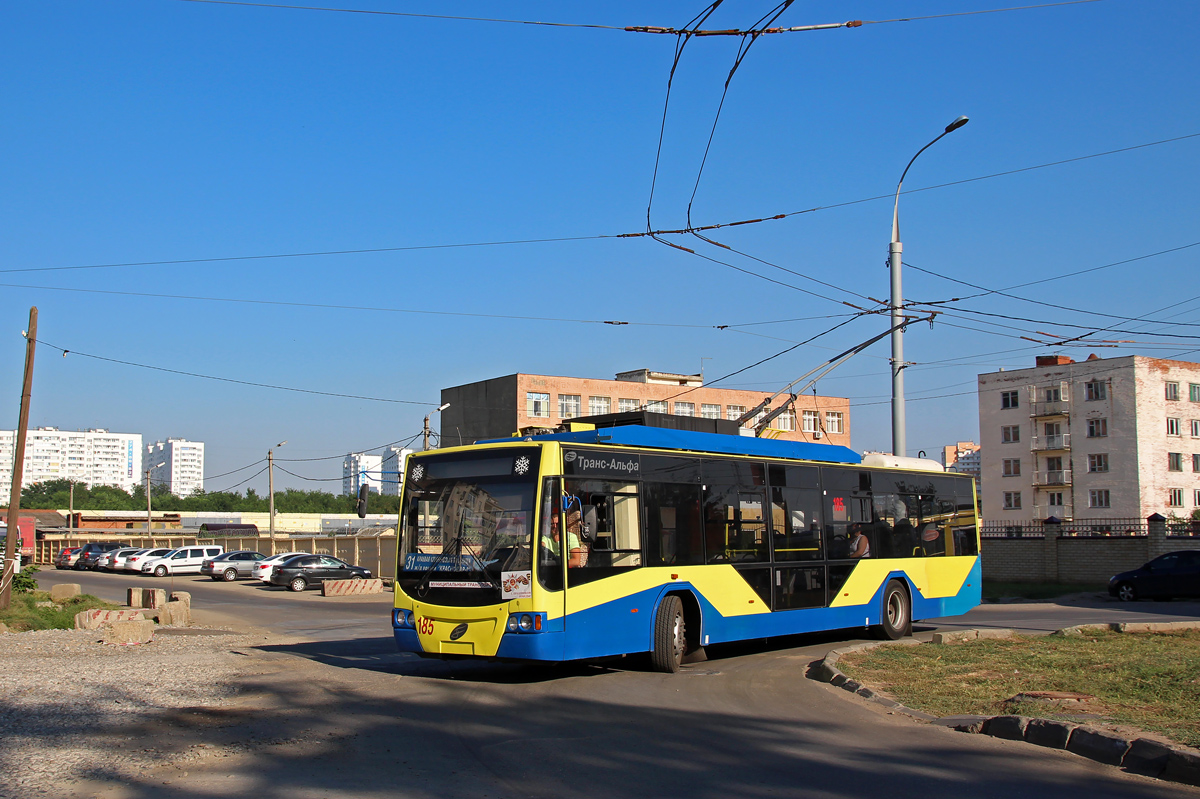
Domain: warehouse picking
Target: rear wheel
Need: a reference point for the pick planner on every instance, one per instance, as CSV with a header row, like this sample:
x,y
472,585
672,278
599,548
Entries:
x,y
160,571
230,575
896,621
298,584
670,639
1126,592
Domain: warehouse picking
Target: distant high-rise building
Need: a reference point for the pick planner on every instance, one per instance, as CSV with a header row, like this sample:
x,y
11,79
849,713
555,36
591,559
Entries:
x,y
393,470
92,457
177,464
962,457
360,469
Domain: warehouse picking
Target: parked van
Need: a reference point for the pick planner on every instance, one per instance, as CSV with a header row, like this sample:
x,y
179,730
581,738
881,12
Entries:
x,y
185,560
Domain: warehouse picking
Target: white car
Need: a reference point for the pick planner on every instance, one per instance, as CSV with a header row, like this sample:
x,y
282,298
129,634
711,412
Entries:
x,y
117,560
185,560
134,563
262,569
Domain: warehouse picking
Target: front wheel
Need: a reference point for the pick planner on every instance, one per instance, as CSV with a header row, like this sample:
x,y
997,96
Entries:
x,y
356,577
1126,592
230,575
160,571
298,584
896,621
670,640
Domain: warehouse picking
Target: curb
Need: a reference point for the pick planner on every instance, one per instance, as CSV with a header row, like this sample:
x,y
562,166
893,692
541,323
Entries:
x,y
1143,756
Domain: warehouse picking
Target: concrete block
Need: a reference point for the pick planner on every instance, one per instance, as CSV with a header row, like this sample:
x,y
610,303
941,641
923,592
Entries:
x,y
973,724
865,693
1051,734
351,587
154,598
956,637
177,614
1099,745
64,591
1183,765
134,597
838,680
139,631
1158,626
1001,632
824,671
182,596
1011,728
1084,629
95,619
851,685
1147,757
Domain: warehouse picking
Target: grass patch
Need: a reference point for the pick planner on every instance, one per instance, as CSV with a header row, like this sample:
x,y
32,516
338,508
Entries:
x,y
996,590
1147,680
24,614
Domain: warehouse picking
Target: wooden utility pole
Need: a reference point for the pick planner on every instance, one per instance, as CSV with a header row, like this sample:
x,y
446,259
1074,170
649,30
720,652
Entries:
x,y
11,555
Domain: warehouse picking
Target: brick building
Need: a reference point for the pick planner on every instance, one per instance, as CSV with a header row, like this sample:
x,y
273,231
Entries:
x,y
502,406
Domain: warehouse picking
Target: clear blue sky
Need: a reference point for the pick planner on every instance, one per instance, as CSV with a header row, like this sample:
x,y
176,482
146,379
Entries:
x,y
158,130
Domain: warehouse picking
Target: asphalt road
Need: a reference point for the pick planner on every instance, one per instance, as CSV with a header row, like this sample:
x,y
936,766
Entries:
x,y
367,722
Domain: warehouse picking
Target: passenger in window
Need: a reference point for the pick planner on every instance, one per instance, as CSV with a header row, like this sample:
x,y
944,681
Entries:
x,y
575,549
860,546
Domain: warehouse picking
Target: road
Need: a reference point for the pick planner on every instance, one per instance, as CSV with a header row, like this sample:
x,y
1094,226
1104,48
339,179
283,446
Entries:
x,y
361,721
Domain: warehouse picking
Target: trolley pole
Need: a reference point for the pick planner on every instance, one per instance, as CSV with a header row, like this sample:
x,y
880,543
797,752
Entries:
x,y
11,556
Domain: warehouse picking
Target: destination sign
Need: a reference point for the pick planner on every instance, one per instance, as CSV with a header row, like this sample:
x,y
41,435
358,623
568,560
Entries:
x,y
432,561
581,462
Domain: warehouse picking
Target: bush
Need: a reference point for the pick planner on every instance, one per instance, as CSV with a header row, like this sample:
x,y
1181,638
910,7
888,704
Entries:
x,y
24,583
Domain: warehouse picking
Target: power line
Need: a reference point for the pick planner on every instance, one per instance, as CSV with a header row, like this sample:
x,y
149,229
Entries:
x,y
402,442
410,14
235,471
238,485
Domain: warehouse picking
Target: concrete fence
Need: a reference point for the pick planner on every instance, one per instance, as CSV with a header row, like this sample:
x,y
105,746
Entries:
x,y
377,553
1055,555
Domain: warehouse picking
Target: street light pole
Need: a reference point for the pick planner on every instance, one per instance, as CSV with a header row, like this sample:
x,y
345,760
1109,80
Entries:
x,y
149,512
895,259
271,486
440,408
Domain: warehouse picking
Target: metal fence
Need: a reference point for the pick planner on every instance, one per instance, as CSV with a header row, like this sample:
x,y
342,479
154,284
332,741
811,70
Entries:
x,y
1089,528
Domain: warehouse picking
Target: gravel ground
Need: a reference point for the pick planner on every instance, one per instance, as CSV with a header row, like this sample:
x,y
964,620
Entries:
x,y
65,698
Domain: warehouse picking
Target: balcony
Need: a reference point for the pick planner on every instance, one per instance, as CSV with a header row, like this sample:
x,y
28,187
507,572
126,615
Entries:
x,y
1064,512
1054,408
1052,477
1061,441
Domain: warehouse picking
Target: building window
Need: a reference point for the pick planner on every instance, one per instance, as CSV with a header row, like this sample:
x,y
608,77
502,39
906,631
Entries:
x,y
1095,390
1174,497
833,422
1196,463
1097,428
537,405
811,421
1196,497
1194,392
1012,500
1099,498
1172,391
568,405
1173,427
1196,428
786,421
1012,467
1010,434
1054,394
1098,463
625,405
1008,399
598,406
710,411
685,409
1174,461
734,412
1055,499
656,406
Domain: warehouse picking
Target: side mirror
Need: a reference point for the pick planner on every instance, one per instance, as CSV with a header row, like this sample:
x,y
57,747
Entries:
x,y
360,507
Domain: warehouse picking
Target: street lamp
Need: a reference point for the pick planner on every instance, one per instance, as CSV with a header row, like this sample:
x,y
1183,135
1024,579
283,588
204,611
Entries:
x,y
438,409
271,487
149,512
895,252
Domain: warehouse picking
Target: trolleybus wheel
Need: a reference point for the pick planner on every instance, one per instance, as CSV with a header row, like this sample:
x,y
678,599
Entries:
x,y
896,620
670,641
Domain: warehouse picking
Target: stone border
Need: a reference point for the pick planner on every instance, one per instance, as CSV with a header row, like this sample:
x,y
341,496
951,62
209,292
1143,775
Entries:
x,y
1144,756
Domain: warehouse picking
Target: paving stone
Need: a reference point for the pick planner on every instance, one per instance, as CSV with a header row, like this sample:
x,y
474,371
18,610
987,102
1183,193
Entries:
x,y
1147,757
972,724
851,685
1052,734
139,631
865,693
1099,745
1009,727
997,633
1183,765
64,591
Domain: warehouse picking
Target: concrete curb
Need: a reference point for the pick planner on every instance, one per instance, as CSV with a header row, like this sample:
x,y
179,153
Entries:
x,y
1144,756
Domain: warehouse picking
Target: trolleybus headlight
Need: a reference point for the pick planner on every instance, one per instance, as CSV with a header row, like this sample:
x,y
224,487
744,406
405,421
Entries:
x,y
410,619
526,622
512,624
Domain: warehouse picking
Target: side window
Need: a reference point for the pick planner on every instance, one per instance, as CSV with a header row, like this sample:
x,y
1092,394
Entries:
x,y
603,527
735,526
212,552
796,525
330,563
674,534
195,553
180,555
549,563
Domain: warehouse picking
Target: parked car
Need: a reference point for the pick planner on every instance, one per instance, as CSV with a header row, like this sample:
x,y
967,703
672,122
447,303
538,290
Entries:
x,y
262,569
1169,575
232,565
89,554
134,563
185,560
106,562
67,557
121,557
300,572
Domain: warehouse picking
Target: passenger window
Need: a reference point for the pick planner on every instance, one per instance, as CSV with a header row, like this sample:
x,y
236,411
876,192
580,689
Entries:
x,y
603,524
796,524
735,526
674,534
800,588
180,555
846,517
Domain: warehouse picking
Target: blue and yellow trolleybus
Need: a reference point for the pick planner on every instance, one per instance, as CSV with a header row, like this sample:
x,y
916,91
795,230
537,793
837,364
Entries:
x,y
613,541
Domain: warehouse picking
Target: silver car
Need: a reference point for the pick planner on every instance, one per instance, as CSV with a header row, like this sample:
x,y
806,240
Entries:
x,y
232,565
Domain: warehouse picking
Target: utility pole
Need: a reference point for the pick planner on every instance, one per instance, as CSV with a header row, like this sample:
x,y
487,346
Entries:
x,y
11,556
440,408
271,486
149,516
71,512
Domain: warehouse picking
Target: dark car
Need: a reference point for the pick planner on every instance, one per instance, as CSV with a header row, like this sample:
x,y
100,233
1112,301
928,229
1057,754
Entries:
x,y
302,571
232,565
90,554
66,557
1169,575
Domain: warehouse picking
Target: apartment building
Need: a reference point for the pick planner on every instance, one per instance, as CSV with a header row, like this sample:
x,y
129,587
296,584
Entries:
x,y
392,470
1105,438
177,464
359,469
963,457
93,457
502,406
